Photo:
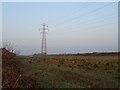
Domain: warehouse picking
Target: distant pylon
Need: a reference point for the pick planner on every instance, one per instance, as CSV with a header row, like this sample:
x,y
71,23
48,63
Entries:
x,y
44,31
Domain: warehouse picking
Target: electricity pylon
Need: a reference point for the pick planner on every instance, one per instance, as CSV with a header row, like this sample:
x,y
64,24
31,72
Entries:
x,y
44,32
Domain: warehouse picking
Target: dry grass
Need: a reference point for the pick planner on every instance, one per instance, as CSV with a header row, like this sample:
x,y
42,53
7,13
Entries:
x,y
74,71
60,71
13,75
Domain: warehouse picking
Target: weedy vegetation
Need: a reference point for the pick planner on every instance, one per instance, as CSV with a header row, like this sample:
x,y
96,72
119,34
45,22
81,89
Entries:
x,y
60,71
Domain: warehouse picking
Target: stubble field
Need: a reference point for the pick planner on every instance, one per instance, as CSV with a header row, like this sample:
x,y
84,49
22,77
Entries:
x,y
72,71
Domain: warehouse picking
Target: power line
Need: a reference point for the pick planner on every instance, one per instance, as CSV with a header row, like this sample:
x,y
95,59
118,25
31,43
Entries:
x,y
91,20
95,11
103,19
73,13
88,27
75,18
94,21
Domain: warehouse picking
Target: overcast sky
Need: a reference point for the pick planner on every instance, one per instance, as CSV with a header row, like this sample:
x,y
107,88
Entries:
x,y
74,27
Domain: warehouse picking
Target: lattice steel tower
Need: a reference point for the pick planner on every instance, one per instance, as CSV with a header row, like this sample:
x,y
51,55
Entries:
x,y
44,31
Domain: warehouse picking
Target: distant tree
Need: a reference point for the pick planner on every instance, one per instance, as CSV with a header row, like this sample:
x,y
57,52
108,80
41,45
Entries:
x,y
17,51
11,48
8,46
